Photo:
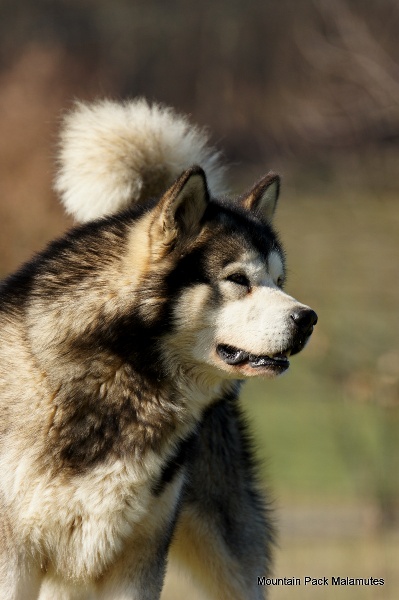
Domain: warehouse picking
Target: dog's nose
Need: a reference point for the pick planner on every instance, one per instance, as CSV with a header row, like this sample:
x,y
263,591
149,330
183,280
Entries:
x,y
305,319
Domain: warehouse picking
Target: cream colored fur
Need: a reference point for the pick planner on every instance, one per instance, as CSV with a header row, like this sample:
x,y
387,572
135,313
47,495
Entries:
x,y
113,154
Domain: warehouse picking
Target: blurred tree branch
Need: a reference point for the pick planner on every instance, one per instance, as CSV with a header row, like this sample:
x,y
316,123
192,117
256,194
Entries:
x,y
356,98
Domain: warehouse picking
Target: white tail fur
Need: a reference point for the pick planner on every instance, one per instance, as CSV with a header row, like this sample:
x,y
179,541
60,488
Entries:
x,y
113,155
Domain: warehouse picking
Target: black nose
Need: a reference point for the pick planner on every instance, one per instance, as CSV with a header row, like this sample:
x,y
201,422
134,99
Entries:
x,y
305,319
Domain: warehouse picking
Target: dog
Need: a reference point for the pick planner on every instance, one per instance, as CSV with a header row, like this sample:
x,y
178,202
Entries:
x,y
122,351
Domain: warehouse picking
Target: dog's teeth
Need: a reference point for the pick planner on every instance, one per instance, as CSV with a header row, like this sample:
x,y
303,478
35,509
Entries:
x,y
258,361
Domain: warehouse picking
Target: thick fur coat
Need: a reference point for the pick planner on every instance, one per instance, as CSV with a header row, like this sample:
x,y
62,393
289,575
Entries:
x,y
122,349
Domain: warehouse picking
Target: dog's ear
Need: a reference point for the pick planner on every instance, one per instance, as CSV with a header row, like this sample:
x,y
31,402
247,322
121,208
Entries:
x,y
262,198
183,206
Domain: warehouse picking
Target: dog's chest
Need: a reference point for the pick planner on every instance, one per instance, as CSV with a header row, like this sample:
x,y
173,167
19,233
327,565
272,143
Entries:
x,y
95,518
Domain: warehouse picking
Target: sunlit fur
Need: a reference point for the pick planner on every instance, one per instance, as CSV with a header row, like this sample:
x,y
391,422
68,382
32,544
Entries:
x,y
112,154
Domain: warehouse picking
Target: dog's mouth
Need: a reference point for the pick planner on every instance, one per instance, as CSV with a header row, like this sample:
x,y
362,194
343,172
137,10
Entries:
x,y
277,363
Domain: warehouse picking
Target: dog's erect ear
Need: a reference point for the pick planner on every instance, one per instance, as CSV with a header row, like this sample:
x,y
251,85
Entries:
x,y
183,206
262,198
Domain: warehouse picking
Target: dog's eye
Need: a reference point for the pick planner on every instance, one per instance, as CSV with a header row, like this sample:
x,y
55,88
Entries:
x,y
239,279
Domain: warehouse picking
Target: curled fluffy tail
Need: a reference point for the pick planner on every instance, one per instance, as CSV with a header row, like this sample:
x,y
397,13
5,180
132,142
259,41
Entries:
x,y
112,155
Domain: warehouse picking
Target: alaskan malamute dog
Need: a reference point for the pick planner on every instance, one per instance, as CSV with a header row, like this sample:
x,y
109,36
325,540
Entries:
x,y
122,349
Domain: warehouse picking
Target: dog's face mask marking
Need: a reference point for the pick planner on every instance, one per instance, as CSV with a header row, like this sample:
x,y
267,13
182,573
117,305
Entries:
x,y
232,313
256,333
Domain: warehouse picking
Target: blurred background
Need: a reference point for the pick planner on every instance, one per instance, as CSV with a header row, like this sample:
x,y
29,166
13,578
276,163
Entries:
x,y
309,89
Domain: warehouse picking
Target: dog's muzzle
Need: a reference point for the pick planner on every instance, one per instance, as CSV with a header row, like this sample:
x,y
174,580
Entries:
x,y
301,323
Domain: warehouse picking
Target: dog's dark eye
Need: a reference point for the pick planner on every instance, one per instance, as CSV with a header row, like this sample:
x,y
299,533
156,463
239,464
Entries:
x,y
239,279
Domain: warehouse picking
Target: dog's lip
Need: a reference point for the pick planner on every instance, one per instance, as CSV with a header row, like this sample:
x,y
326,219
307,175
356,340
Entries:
x,y
237,357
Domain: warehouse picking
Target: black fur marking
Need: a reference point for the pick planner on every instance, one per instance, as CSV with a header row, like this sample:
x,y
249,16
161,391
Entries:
x,y
190,270
127,419
243,224
70,259
87,435
135,341
184,451
16,287
223,442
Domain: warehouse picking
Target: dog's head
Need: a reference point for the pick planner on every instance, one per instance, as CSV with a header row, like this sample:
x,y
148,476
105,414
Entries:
x,y
224,273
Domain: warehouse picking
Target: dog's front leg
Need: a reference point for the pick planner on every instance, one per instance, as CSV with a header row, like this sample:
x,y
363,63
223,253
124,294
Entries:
x,y
223,534
132,582
19,579
132,577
